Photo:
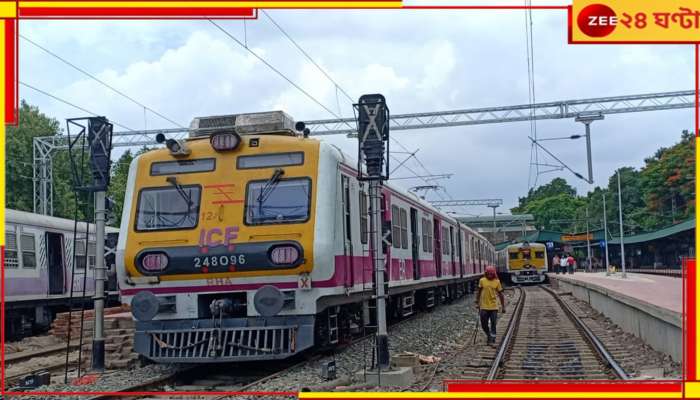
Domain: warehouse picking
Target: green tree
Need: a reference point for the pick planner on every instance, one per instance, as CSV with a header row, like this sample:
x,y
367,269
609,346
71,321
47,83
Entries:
x,y
554,188
18,152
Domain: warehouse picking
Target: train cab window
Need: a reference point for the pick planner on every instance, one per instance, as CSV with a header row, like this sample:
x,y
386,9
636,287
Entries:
x,y
183,166
279,202
539,254
395,227
168,208
11,260
28,247
270,160
364,218
513,256
404,229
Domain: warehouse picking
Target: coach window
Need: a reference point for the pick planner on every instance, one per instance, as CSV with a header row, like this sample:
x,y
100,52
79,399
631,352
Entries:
x,y
395,227
424,233
11,250
80,260
445,241
91,255
28,250
404,229
364,219
430,236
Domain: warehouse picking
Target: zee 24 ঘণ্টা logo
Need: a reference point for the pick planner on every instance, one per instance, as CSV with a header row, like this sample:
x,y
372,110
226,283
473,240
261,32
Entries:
x,y
663,21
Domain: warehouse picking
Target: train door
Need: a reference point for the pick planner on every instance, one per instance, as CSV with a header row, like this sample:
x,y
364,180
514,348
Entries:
x,y
54,258
460,253
415,243
452,251
437,250
347,232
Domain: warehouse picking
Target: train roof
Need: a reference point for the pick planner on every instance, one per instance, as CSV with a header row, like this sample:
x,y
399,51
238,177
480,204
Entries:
x,y
47,221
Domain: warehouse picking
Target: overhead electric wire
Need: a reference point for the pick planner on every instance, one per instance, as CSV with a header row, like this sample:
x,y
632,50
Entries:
x,y
291,82
278,72
119,92
71,104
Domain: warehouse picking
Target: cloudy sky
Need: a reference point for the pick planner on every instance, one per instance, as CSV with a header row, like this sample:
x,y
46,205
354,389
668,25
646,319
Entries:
x,y
420,60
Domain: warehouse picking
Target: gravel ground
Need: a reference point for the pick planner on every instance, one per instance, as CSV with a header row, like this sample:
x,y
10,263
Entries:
x,y
111,381
635,356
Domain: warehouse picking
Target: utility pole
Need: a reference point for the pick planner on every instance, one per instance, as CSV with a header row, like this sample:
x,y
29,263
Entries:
x,y
589,267
605,232
622,227
494,205
373,152
587,120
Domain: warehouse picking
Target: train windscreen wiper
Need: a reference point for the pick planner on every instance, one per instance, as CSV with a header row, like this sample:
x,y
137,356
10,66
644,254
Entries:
x,y
173,181
269,186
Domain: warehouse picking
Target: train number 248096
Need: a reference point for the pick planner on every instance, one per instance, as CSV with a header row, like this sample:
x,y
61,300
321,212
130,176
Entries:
x,y
219,261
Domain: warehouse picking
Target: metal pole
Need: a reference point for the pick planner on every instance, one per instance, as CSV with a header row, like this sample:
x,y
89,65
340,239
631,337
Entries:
x,y
98,341
589,267
588,151
378,257
622,227
605,231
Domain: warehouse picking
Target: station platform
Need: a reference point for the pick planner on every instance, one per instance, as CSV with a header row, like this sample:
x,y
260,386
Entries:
x,y
647,306
658,291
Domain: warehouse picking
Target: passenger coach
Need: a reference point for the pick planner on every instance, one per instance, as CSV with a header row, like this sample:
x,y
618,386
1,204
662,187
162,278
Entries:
x,y
249,241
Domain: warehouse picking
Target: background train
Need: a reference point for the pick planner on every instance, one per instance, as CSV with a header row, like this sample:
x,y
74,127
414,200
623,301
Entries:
x,y
39,253
253,244
523,262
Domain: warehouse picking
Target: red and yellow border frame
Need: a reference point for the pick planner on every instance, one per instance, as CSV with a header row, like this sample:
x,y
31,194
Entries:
x,y
12,11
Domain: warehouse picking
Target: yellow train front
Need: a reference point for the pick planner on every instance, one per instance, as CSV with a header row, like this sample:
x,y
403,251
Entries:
x,y
249,241
524,262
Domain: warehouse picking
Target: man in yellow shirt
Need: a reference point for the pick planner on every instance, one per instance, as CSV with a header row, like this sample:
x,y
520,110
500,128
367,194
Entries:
x,y
489,288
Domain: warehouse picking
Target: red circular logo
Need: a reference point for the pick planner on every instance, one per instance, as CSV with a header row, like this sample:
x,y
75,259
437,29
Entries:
x,y
597,20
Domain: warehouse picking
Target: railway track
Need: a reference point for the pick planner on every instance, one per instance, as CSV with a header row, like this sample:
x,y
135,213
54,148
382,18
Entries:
x,y
545,340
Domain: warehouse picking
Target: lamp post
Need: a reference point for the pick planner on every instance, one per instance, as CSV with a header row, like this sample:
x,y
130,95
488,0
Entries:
x,y
588,242
622,227
605,232
494,206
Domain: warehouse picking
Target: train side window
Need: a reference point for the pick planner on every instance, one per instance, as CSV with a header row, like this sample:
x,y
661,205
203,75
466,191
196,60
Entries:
x,y
424,234
346,208
445,242
91,255
11,260
28,246
395,227
364,218
430,236
80,260
404,229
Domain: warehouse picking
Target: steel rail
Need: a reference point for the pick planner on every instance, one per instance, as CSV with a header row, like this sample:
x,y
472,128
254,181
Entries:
x,y
505,343
597,345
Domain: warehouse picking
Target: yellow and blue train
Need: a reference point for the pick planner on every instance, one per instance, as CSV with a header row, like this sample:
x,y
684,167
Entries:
x,y
249,241
523,262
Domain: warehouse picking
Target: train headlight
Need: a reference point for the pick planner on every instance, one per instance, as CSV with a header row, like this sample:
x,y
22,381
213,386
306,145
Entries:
x,y
225,141
284,255
154,262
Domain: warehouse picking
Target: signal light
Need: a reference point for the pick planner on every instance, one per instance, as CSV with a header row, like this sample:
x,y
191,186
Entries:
x,y
154,262
225,141
283,255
